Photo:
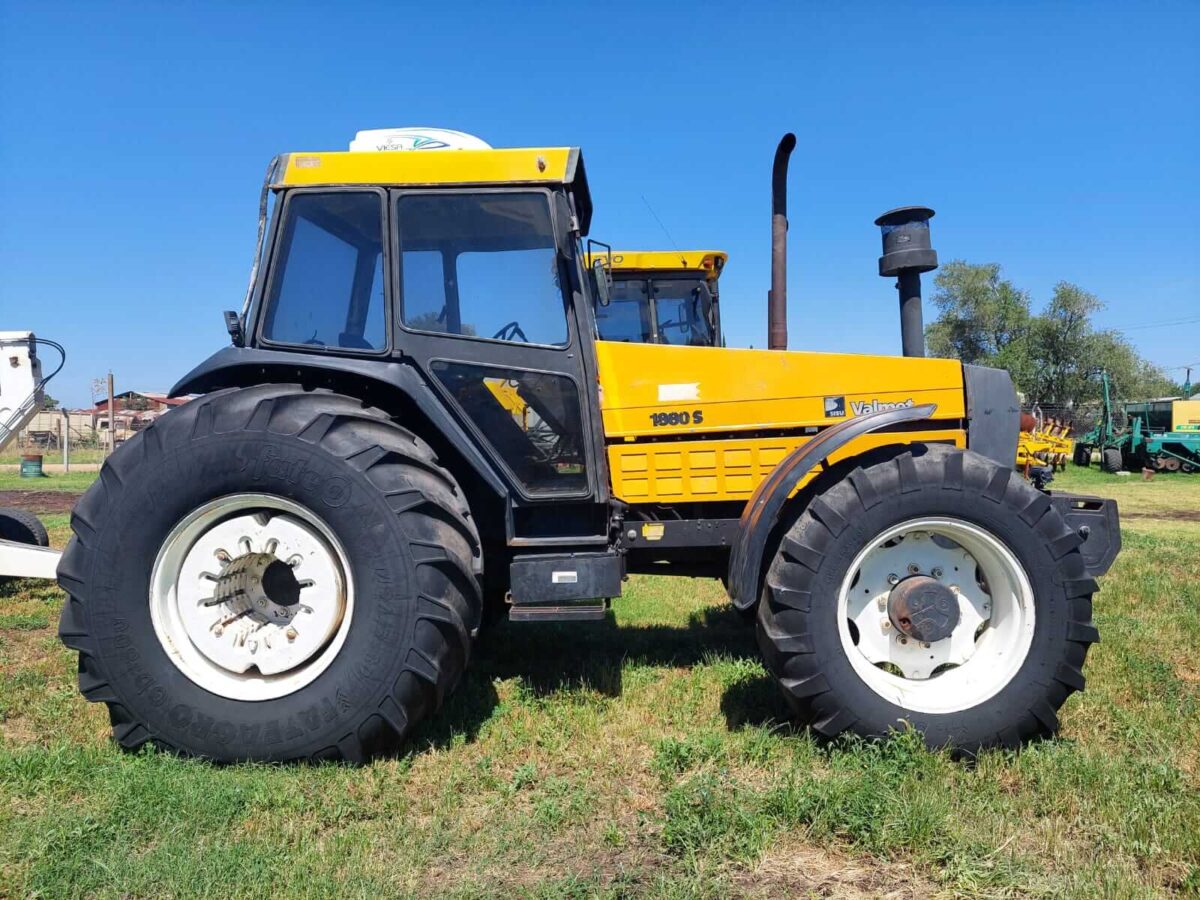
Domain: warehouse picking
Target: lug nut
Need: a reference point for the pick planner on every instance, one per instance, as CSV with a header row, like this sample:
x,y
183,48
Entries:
x,y
937,572
893,579
913,568
292,634
885,624
904,640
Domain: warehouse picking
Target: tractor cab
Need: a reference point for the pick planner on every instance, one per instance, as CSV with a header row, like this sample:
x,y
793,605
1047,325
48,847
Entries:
x,y
661,297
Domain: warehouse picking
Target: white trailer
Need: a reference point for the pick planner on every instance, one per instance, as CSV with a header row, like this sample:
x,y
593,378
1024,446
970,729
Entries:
x,y
23,542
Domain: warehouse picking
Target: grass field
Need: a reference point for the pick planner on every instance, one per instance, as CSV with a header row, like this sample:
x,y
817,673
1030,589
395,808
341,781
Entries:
x,y
645,756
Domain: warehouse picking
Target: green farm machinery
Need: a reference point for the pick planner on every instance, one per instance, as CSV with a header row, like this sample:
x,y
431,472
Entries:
x,y
1159,434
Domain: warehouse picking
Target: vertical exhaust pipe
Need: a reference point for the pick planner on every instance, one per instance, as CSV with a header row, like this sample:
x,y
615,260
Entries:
x,y
777,297
907,253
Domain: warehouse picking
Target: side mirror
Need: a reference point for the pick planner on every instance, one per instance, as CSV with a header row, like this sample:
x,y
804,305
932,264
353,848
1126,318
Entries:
x,y
601,270
233,324
603,282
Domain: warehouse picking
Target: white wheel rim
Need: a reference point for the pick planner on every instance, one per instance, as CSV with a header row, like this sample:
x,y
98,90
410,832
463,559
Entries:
x,y
986,648
243,645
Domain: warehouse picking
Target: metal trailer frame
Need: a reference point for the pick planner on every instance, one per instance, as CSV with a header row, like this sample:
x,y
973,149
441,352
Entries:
x,y
21,376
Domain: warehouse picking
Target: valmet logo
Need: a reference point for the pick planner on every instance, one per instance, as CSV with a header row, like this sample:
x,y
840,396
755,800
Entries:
x,y
862,407
835,407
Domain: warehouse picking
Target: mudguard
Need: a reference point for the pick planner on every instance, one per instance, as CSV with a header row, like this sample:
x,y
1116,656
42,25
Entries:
x,y
762,511
240,366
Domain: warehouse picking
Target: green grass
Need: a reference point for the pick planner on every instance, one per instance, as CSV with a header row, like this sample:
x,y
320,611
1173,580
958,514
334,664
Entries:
x,y
51,481
644,756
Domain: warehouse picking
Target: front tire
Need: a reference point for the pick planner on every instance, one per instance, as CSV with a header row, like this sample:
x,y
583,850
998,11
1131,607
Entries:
x,y
312,575
1111,460
1083,455
992,654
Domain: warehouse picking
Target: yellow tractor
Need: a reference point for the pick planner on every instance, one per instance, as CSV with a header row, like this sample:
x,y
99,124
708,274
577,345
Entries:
x,y
661,297
294,565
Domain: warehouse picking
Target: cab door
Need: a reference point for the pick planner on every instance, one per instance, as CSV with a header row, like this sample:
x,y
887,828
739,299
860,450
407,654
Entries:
x,y
486,307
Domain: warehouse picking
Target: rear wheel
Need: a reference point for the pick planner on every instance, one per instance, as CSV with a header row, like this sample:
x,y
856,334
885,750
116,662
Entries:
x,y
312,576
935,589
1082,455
1111,460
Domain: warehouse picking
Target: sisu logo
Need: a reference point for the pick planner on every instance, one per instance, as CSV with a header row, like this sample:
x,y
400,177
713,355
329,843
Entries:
x,y
835,407
864,407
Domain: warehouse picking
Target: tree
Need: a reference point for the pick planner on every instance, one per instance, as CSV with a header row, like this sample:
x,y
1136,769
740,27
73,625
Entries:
x,y
1053,356
49,402
983,318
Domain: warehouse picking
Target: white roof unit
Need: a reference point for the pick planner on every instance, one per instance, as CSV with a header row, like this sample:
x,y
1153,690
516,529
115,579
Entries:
x,y
386,139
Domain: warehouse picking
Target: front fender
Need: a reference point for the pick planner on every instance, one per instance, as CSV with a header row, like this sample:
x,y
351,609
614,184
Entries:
x,y
762,511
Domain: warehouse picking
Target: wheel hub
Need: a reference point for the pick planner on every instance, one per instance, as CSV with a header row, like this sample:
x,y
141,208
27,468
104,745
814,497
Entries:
x,y
251,596
923,608
937,614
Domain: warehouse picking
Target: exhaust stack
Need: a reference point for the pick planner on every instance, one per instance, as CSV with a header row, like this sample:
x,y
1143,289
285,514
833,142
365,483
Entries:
x,y
907,253
777,296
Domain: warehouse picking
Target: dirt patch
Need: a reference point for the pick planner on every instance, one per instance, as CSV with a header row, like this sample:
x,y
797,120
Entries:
x,y
796,869
1178,515
40,503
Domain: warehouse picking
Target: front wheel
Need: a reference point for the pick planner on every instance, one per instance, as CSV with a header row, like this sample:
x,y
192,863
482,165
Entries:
x,y
1111,460
1083,455
272,574
936,590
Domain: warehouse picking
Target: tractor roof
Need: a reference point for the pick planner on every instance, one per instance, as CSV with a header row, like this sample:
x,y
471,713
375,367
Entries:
x,y
709,261
441,168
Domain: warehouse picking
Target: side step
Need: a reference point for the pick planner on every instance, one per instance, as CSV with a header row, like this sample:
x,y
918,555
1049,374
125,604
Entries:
x,y
564,587
591,612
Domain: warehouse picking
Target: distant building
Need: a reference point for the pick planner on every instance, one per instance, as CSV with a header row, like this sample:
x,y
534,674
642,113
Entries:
x,y
139,401
133,410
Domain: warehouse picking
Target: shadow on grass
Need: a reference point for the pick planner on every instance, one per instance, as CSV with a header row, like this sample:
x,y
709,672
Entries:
x,y
553,658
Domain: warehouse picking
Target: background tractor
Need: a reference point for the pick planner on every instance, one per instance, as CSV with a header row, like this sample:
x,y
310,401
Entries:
x,y
661,297
416,412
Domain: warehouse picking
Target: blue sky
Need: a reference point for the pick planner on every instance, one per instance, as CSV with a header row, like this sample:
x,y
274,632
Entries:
x,y
1061,140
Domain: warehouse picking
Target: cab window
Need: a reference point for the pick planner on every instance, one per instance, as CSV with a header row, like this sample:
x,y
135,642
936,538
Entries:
x,y
683,309
627,316
481,265
327,287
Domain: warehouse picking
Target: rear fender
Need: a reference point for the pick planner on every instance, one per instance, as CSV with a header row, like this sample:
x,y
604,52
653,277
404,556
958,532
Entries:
x,y
763,509
382,379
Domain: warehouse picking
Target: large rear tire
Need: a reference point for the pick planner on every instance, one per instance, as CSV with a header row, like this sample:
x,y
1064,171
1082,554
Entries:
x,y
934,588
312,575
1111,460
